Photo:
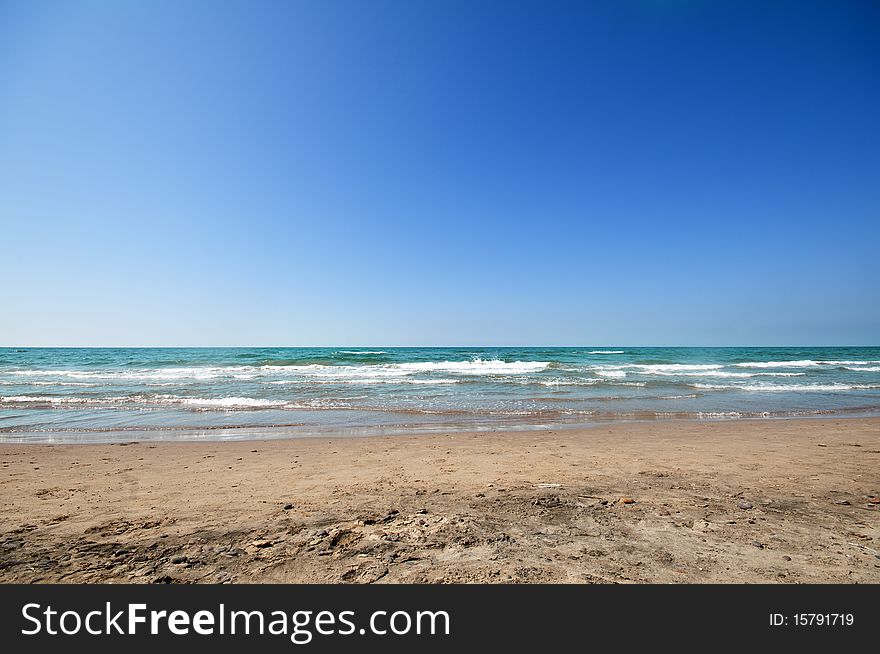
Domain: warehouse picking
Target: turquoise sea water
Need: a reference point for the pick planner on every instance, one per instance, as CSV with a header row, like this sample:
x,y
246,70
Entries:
x,y
81,394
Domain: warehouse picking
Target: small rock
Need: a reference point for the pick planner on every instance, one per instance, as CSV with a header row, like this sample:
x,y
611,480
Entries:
x,y
842,502
821,444
603,502
755,543
288,507
786,558
745,506
627,500
177,560
480,495
422,511
874,500
262,543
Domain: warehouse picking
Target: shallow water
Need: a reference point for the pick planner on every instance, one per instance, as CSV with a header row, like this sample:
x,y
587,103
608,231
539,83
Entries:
x,y
311,390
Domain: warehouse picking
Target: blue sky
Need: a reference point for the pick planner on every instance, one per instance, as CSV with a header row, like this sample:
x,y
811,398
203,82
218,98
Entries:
x,y
439,173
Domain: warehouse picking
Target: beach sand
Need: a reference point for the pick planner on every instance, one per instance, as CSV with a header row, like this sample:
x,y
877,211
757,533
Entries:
x,y
739,501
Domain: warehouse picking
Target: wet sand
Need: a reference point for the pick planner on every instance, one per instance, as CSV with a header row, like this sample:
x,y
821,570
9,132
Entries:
x,y
743,501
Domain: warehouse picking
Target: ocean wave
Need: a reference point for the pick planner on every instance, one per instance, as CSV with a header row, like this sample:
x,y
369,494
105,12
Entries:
x,y
678,367
789,388
612,374
364,380
470,367
361,352
225,402
359,373
475,366
865,369
721,373
716,415
655,369
45,383
53,399
128,400
562,381
606,352
194,373
803,363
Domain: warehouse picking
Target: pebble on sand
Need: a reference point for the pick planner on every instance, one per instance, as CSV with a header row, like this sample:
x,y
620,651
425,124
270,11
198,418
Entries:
x,y
745,506
627,500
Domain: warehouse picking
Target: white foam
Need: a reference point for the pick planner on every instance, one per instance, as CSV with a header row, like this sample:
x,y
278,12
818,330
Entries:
x,y
723,374
227,402
196,373
476,367
655,369
675,367
222,402
362,352
789,388
779,374
803,363
865,369
472,367
37,399
564,381
606,352
612,374
45,383
364,380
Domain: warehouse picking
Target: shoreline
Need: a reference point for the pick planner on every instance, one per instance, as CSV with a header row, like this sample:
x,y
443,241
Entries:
x,y
208,434
547,505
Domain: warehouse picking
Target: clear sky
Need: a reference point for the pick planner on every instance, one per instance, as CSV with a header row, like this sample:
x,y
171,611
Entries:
x,y
369,172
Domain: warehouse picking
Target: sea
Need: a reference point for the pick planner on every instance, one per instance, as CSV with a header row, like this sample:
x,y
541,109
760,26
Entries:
x,y
97,394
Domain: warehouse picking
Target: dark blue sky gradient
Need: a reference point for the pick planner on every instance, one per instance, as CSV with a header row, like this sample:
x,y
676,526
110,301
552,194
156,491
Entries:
x,y
440,173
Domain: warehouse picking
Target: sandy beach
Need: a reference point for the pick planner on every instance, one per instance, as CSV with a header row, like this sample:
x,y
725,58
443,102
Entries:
x,y
788,501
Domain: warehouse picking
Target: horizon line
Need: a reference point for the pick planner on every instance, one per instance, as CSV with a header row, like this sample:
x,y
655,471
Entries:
x,y
401,347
